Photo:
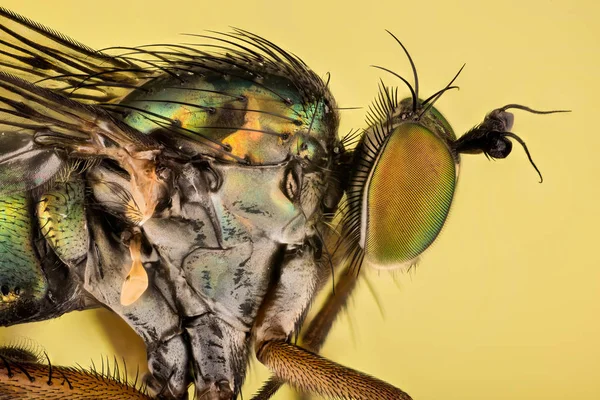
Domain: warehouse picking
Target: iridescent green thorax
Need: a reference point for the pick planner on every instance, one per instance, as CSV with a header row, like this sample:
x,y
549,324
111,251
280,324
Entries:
x,y
256,117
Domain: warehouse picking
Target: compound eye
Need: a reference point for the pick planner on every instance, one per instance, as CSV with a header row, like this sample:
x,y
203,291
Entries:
x,y
406,197
500,147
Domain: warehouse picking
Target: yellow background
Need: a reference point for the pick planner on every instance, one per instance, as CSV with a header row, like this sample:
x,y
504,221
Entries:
x,y
506,304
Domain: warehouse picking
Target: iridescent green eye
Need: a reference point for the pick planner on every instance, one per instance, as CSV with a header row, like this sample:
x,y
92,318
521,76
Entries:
x,y
407,196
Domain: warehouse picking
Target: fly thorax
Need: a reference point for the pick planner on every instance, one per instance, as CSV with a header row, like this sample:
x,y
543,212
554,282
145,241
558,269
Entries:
x,y
257,198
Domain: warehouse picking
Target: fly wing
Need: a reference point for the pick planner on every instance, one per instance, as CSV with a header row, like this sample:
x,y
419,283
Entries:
x,y
43,133
42,56
49,84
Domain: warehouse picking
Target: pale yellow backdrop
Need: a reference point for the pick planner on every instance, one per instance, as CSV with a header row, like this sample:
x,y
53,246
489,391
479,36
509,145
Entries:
x,y
506,305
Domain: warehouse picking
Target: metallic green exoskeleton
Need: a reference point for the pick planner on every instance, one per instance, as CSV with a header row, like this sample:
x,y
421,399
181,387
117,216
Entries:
x,y
192,192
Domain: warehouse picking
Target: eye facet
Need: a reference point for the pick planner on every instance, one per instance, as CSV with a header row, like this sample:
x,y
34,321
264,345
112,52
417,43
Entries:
x,y
407,196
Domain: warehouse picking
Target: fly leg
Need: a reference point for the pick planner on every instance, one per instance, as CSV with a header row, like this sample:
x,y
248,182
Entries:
x,y
313,337
219,339
285,307
315,334
319,327
299,367
312,373
286,304
153,316
219,352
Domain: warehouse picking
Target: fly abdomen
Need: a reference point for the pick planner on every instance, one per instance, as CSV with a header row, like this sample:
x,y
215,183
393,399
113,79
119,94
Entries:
x,y
20,270
41,238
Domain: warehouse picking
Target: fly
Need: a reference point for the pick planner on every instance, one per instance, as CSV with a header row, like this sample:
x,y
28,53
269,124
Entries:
x,y
192,190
